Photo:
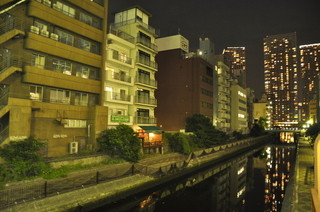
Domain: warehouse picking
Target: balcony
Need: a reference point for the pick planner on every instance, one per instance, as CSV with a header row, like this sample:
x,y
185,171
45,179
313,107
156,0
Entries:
x,y
126,79
147,62
119,98
11,29
114,55
147,43
121,34
144,26
9,66
146,81
145,120
146,100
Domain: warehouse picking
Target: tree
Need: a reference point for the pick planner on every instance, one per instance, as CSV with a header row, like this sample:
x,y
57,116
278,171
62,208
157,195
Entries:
x,y
121,141
22,159
313,131
205,133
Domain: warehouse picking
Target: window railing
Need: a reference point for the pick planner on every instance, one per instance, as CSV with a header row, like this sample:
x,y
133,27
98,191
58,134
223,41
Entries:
x,y
146,81
120,97
121,34
144,25
12,61
147,43
146,100
147,61
145,120
11,24
117,56
66,70
123,78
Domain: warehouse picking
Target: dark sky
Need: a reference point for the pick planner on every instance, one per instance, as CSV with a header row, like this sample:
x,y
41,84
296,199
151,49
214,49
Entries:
x,y
232,23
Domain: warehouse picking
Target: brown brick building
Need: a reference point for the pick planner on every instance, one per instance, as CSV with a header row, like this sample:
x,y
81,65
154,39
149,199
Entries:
x,y
185,86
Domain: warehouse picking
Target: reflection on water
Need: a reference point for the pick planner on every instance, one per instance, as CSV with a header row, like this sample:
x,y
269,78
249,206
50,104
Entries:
x,y
279,160
287,137
254,181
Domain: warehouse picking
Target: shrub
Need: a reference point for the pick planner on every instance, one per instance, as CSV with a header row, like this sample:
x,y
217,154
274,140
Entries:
x,y
179,142
121,141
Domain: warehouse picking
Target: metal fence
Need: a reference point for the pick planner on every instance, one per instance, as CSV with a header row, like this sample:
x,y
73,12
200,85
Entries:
x,y
37,190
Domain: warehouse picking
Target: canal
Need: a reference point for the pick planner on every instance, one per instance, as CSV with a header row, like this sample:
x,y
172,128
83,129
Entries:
x,y
251,181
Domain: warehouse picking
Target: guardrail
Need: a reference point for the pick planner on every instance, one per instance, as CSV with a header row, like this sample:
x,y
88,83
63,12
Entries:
x,y
38,190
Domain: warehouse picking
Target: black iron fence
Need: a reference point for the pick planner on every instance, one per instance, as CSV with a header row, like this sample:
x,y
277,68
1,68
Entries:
x,y
38,190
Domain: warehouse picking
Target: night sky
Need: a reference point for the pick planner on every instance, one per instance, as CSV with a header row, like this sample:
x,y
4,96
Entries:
x,y
232,23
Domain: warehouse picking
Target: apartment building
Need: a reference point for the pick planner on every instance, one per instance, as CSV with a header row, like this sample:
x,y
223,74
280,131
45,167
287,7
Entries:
x,y
130,84
224,95
185,84
235,58
281,78
239,112
310,69
51,59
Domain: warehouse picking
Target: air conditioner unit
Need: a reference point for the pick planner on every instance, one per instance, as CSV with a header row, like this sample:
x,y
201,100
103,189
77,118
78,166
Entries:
x,y
34,29
44,33
54,36
73,147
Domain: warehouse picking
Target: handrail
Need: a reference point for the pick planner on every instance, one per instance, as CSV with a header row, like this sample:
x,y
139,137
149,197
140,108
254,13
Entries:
x,y
11,24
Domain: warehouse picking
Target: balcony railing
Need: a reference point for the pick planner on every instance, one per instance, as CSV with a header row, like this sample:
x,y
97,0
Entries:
x,y
120,97
145,120
11,24
146,100
117,56
147,61
13,61
146,81
147,43
121,34
145,26
123,78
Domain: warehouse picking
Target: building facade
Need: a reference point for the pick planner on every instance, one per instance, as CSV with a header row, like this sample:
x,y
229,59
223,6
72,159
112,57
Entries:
x,y
281,78
51,54
139,71
235,58
310,69
239,111
185,84
224,95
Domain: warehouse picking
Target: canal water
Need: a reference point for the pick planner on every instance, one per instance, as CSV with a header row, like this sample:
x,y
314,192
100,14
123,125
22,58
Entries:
x,y
254,181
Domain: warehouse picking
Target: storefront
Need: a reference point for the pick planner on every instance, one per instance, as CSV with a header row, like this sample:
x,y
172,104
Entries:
x,y
151,139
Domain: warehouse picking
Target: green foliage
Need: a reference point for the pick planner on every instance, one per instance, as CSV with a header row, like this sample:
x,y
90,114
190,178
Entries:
x,y
121,141
258,128
23,160
179,142
205,133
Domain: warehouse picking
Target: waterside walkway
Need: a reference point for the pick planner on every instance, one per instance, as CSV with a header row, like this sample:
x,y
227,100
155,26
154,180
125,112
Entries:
x,y
304,178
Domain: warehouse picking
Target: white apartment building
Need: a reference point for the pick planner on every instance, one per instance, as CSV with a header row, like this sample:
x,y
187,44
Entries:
x,y
130,79
224,93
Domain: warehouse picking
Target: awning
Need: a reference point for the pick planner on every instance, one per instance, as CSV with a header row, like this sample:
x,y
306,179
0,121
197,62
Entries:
x,y
151,129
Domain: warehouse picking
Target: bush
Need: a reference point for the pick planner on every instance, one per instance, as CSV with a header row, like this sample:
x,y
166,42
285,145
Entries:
x,y
121,141
23,160
179,142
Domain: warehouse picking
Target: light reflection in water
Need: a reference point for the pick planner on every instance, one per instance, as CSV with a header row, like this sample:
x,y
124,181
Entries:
x,y
277,176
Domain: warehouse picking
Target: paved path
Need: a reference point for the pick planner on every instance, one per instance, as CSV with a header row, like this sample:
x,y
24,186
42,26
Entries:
x,y
304,177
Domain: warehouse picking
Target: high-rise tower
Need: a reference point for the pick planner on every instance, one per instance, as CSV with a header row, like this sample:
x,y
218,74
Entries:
x,y
281,78
235,58
310,69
